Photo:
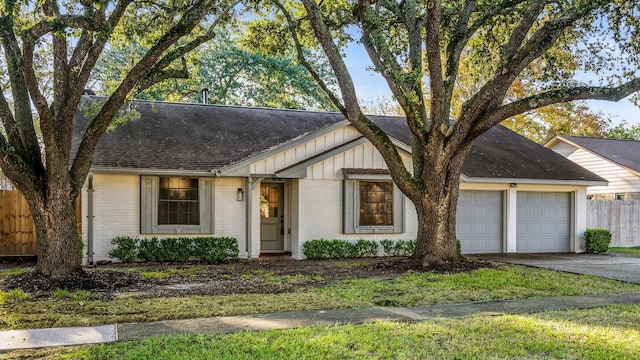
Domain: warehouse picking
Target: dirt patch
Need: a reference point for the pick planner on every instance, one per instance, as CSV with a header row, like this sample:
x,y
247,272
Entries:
x,y
239,277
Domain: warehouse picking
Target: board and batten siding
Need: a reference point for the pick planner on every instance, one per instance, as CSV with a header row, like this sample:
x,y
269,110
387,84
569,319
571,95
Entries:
x,y
620,217
304,151
620,179
363,156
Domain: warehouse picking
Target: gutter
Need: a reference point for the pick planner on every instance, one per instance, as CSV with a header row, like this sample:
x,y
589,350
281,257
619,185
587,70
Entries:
x,y
90,219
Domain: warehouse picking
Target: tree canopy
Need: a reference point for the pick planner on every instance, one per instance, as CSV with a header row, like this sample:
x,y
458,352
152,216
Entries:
x,y
428,49
234,75
49,49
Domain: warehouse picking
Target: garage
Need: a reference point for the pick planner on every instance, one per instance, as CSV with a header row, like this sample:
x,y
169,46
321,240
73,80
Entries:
x,y
479,221
543,222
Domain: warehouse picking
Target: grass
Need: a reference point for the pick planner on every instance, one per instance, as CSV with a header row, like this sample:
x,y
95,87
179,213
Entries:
x,y
15,271
611,332
412,289
628,251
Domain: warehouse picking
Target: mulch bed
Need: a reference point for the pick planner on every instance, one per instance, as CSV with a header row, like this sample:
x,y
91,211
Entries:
x,y
238,277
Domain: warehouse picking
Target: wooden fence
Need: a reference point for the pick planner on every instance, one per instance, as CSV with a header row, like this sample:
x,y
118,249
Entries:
x,y
17,231
621,217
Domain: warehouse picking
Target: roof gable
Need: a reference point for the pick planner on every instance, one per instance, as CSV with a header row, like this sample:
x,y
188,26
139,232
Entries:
x,y
621,152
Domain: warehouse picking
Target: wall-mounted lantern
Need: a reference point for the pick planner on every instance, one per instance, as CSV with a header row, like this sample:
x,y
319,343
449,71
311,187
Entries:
x,y
240,194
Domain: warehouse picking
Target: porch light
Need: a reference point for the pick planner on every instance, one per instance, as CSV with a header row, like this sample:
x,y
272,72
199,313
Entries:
x,y
240,195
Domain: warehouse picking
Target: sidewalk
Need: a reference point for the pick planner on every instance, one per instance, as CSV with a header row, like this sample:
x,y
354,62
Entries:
x,y
29,339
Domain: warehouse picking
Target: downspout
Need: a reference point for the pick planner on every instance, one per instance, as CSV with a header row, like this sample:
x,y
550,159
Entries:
x,y
90,219
247,215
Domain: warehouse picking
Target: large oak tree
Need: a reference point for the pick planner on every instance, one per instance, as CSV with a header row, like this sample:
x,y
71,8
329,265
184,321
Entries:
x,y
49,49
420,47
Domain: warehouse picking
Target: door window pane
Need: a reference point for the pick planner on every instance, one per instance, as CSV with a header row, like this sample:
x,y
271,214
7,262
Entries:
x,y
269,201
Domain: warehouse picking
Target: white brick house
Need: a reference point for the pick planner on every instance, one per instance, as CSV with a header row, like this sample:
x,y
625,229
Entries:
x,y
274,179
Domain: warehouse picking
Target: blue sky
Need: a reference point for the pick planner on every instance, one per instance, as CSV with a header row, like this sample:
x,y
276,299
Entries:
x,y
370,85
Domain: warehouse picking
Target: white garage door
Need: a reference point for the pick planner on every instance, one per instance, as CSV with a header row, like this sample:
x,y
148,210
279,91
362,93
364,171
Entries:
x,y
479,221
543,222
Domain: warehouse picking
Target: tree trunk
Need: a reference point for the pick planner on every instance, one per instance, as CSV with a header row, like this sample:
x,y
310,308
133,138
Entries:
x,y
59,249
436,240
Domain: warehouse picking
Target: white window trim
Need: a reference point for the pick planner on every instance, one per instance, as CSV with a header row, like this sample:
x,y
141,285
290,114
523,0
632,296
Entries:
x,y
351,204
149,192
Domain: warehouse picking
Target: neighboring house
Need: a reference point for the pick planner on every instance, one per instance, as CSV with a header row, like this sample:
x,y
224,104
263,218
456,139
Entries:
x,y
274,179
617,161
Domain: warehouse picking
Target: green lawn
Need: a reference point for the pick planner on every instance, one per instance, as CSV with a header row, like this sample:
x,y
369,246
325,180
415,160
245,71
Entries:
x,y
627,251
605,333
19,310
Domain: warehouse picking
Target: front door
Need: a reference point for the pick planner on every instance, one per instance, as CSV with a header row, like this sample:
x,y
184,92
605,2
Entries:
x,y
271,217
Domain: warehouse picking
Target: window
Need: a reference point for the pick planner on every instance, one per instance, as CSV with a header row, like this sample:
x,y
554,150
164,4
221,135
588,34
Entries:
x,y
178,201
372,203
620,196
176,205
376,203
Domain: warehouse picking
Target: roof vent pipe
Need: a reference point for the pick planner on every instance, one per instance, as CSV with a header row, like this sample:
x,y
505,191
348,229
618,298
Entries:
x,y
205,95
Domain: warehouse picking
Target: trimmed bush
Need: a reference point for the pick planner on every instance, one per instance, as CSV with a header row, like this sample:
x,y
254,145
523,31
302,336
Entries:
x,y
597,240
387,246
315,249
174,249
398,248
207,249
149,249
339,249
215,250
364,248
126,249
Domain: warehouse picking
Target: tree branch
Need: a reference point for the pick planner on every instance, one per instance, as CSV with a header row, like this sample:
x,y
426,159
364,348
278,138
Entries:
x,y
189,19
27,141
353,113
157,76
560,95
303,60
434,66
530,15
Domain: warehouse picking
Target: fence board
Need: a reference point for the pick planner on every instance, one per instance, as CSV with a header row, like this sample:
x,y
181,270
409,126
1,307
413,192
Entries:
x,y
621,217
17,231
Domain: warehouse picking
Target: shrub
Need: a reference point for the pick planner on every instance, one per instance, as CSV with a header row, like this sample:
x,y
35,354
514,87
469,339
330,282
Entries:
x,y
405,247
215,250
174,249
314,249
148,249
207,249
597,240
387,246
398,248
338,249
366,248
125,250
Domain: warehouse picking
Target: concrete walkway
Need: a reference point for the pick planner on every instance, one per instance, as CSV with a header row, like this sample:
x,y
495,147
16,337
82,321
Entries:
x,y
621,268
29,339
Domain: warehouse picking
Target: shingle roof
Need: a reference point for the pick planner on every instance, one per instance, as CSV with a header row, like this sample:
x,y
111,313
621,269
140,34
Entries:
x,y
623,152
208,137
200,137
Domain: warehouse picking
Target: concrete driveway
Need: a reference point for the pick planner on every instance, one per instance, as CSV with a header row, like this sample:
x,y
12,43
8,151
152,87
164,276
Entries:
x,y
608,266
